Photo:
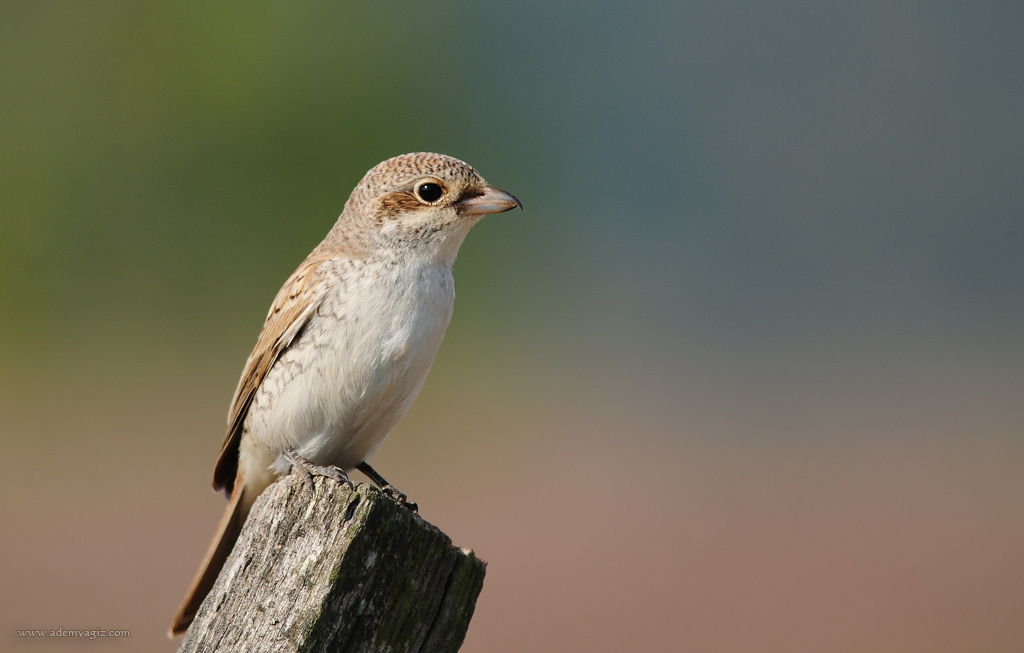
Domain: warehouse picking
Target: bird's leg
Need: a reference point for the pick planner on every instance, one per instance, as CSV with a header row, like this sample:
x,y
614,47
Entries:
x,y
305,467
388,488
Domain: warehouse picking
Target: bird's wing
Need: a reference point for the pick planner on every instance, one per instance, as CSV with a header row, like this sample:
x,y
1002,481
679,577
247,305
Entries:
x,y
294,305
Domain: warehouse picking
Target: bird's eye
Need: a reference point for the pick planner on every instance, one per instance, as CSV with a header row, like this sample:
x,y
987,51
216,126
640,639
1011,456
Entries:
x,y
429,192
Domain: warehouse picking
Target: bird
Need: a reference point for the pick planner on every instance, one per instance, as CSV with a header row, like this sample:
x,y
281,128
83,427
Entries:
x,y
348,341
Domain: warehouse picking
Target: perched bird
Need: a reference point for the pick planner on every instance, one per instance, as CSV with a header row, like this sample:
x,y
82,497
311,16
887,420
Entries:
x,y
349,339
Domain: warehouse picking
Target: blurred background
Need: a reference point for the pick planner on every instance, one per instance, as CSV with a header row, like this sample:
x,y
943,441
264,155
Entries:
x,y
747,373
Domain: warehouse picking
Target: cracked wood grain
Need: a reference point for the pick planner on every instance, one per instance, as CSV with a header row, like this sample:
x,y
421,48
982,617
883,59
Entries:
x,y
341,570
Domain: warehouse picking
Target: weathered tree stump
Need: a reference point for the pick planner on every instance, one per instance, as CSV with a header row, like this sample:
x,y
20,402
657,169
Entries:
x,y
338,570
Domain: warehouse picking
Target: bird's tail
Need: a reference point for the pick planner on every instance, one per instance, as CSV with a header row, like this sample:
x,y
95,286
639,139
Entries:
x,y
227,532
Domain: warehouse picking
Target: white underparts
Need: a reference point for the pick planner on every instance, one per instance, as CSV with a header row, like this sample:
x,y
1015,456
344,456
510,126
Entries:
x,y
353,371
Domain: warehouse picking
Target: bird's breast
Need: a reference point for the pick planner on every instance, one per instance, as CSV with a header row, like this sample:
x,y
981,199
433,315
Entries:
x,y
392,316
353,372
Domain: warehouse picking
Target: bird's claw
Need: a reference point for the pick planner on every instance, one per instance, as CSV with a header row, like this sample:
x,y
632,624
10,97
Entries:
x,y
400,498
308,470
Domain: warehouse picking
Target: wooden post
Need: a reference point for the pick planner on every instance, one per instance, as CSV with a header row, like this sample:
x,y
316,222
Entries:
x,y
338,570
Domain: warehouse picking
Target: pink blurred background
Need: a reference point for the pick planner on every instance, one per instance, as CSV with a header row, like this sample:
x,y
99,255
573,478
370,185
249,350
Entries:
x,y
891,524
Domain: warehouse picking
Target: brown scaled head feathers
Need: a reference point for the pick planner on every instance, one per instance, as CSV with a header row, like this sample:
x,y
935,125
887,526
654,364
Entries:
x,y
390,187
422,204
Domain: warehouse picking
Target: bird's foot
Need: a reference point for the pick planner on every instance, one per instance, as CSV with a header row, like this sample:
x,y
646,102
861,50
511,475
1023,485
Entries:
x,y
387,488
400,498
308,470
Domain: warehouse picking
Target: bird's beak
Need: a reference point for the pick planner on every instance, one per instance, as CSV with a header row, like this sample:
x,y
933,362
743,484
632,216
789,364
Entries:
x,y
492,200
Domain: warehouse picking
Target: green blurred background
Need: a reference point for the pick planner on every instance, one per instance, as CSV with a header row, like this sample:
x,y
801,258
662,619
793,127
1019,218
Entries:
x,y
747,373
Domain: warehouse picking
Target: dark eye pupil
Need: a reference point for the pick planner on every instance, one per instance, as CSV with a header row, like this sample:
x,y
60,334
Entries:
x,y
429,192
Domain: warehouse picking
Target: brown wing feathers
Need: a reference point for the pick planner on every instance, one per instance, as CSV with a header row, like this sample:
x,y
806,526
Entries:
x,y
292,307
290,311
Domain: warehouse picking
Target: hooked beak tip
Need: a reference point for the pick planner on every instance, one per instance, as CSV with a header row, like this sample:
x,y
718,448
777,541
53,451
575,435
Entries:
x,y
491,200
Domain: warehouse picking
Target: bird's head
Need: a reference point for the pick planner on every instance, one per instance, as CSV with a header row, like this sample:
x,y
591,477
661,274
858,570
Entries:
x,y
421,203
